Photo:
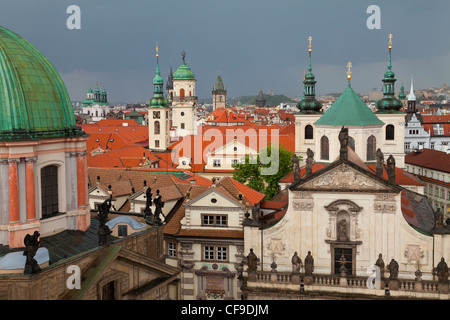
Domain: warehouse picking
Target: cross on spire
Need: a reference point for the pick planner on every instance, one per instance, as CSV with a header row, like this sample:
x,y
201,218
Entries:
x,y
309,39
349,72
390,40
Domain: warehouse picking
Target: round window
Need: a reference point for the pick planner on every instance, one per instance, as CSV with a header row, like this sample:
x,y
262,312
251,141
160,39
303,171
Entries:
x,y
213,200
182,113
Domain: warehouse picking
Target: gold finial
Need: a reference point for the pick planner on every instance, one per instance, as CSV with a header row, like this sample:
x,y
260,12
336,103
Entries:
x,y
304,73
349,72
157,55
309,39
390,41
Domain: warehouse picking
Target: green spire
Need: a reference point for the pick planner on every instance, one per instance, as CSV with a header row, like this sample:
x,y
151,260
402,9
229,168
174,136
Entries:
x,y
402,94
309,104
158,100
218,86
389,104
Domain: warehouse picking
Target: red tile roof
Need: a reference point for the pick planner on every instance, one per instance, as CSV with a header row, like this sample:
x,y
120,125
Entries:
x,y
429,158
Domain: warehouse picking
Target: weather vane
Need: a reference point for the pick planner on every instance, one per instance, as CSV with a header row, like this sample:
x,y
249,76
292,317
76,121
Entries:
x,y
349,72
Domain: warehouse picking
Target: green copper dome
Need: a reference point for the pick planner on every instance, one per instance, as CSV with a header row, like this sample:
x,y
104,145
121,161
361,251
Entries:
x,y
349,110
183,73
34,102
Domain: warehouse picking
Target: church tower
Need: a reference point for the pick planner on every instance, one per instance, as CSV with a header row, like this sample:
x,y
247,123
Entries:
x,y
309,112
184,101
394,119
158,114
219,93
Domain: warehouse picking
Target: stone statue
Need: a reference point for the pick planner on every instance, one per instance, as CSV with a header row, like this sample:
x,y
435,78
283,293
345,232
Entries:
x,y
309,264
380,264
309,162
183,56
438,219
31,246
159,205
380,163
442,271
296,263
148,198
103,229
251,261
343,139
393,270
103,211
296,167
390,168
342,230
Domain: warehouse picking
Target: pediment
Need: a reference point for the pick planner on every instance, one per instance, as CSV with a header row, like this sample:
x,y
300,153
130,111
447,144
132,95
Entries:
x,y
345,176
215,199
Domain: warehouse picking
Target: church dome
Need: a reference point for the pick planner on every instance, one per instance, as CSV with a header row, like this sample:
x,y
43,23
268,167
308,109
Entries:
x,y
34,102
183,73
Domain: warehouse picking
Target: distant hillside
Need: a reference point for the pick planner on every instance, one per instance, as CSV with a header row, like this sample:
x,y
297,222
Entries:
x,y
271,100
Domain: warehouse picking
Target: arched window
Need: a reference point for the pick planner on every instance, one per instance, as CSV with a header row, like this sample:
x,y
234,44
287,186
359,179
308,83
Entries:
x,y
181,92
371,148
324,148
351,143
49,191
390,132
309,132
157,127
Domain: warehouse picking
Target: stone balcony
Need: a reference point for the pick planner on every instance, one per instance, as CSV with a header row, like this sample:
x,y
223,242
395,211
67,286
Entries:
x,y
284,285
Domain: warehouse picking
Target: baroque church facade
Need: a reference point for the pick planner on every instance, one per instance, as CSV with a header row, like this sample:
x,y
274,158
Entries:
x,y
356,225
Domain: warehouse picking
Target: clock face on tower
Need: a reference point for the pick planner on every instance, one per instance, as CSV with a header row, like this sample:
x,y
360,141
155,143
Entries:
x,y
156,115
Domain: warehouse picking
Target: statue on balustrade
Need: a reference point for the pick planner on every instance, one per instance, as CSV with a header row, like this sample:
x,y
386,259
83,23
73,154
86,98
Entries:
x,y
296,263
309,264
442,271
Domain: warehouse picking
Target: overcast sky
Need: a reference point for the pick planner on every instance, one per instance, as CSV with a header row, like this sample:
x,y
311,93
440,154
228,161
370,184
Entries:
x,y
256,44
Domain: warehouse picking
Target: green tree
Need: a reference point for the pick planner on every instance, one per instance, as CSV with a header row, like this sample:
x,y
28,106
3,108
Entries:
x,y
263,173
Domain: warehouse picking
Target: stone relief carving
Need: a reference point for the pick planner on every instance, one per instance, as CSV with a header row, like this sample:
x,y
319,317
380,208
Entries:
x,y
413,253
276,246
385,207
345,177
384,197
303,205
303,195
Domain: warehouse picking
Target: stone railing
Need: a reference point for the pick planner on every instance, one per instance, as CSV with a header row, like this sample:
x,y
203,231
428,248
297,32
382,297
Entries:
x,y
348,284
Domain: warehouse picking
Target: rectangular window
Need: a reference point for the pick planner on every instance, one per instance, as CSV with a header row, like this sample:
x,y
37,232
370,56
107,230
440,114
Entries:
x,y
222,253
182,126
216,163
122,230
156,143
208,252
234,162
208,220
172,249
214,220
217,253
49,190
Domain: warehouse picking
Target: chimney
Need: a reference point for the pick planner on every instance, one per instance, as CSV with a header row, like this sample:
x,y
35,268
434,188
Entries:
x,y
98,180
193,181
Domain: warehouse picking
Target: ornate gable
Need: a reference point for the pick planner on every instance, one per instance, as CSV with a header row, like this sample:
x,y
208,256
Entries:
x,y
344,176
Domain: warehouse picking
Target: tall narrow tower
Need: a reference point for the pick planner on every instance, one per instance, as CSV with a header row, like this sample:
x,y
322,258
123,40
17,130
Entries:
x,y
389,112
309,112
184,101
219,93
158,114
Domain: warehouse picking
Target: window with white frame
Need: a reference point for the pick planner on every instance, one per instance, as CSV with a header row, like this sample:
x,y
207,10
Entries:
x,y
216,163
216,253
172,249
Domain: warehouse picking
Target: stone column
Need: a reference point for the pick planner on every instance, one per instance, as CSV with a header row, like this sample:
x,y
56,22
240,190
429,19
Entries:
x,y
30,189
14,210
81,181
